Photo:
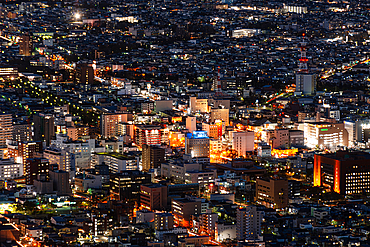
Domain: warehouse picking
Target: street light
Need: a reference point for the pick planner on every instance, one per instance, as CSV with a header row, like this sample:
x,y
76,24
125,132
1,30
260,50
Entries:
x,y
77,16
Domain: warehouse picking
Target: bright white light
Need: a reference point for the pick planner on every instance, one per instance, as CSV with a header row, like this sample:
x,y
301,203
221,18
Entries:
x,y
77,16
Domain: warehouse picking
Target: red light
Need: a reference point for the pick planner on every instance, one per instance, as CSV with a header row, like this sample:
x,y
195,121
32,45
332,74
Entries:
x,y
211,185
303,34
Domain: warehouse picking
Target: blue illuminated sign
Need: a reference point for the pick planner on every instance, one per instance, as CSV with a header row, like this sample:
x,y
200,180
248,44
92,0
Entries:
x,y
200,134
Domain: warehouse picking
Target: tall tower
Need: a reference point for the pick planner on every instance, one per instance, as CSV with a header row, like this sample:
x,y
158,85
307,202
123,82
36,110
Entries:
x,y
303,68
305,81
217,82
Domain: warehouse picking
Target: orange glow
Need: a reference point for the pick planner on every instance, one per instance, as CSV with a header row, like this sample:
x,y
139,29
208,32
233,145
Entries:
x,y
176,140
336,176
176,119
283,153
290,89
317,171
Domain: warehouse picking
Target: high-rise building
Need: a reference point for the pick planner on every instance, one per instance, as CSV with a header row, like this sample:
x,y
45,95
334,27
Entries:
x,y
207,223
43,127
22,132
35,167
153,196
350,126
5,128
85,74
306,83
243,142
278,138
197,144
148,134
110,123
153,157
248,223
126,185
344,172
60,181
272,193
25,45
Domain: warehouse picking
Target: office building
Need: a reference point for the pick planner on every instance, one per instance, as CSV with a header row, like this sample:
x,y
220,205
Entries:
x,y
126,185
197,144
152,157
60,181
248,223
5,128
43,128
35,167
325,135
10,170
242,142
153,196
272,193
343,172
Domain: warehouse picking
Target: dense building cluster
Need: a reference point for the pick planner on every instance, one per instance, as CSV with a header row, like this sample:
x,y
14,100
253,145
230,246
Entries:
x,y
184,123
